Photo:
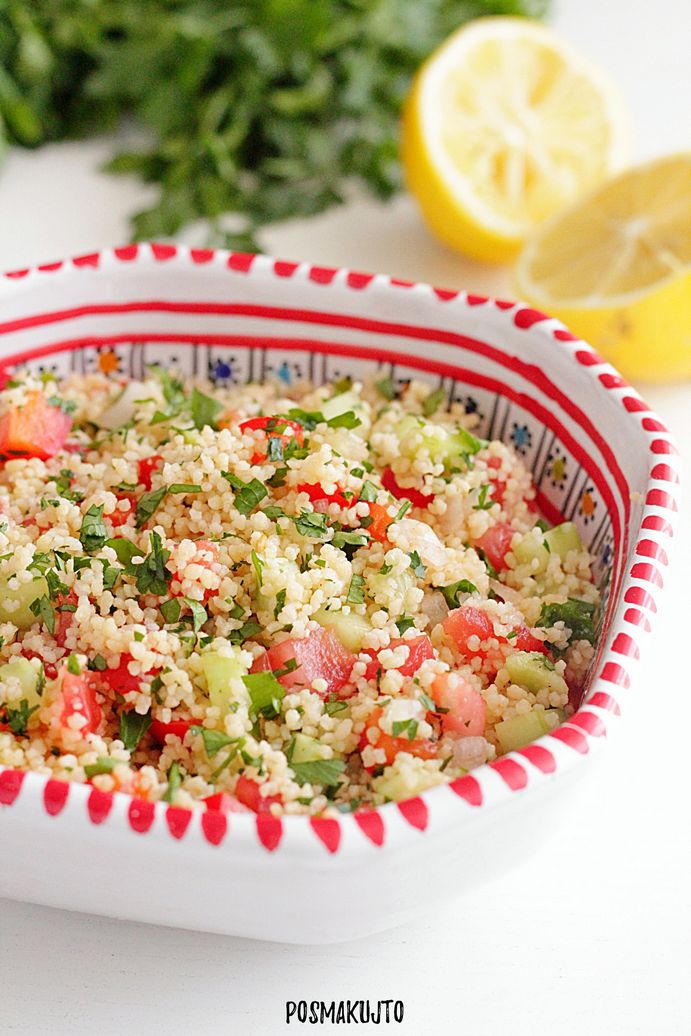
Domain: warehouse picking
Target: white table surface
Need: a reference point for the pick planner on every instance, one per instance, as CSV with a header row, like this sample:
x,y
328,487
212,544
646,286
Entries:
x,y
592,935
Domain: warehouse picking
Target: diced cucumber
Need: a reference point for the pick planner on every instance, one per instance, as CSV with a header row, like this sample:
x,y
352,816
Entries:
x,y
15,605
340,404
219,670
563,538
304,749
450,448
21,669
530,669
381,586
521,730
530,550
350,628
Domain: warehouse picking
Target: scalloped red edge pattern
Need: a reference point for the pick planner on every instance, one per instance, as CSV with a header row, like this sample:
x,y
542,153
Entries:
x,y
141,815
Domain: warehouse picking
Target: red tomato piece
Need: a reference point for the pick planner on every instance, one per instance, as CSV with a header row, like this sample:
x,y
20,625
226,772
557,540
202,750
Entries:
x,y
417,499
319,655
221,802
463,623
496,543
391,746
318,496
526,641
466,707
34,429
63,619
119,516
120,680
146,468
49,668
275,428
419,649
79,698
176,728
248,794
206,557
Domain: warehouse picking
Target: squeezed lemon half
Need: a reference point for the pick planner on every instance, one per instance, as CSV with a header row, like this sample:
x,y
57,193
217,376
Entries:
x,y
504,125
616,268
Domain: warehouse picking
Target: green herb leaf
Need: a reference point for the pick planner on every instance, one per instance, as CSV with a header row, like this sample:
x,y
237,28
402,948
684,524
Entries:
x,y
344,538
184,487
171,609
405,622
416,565
454,591
258,566
266,693
199,615
125,549
174,782
347,420
405,726
312,524
18,719
247,494
386,388
204,409
43,609
433,402
577,615
484,502
103,765
368,493
214,740
280,603
356,592
320,771
147,505
93,533
133,727
151,575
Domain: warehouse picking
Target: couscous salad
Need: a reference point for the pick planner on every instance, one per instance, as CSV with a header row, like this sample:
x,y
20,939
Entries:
x,y
293,601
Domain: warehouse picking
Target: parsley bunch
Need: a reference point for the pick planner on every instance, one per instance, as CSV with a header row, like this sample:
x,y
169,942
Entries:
x,y
263,108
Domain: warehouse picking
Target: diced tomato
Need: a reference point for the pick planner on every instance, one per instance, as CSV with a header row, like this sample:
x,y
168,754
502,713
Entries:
x,y
206,557
466,707
120,680
119,516
319,655
146,468
496,543
49,668
418,499
248,794
176,728
526,641
64,619
381,520
391,746
275,428
498,484
463,623
221,802
319,497
419,649
34,429
79,698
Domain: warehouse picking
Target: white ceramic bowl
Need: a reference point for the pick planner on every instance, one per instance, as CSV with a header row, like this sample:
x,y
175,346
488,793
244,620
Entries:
x,y
598,455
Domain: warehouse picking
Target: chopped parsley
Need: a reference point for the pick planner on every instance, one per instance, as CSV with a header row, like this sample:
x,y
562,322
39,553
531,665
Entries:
x,y
347,420
344,538
356,592
214,740
319,771
133,727
266,694
93,533
147,505
204,409
258,566
18,719
403,509
247,494
577,615
453,592
405,622
335,705
416,565
405,726
386,388
368,493
103,765
280,603
151,574
433,402
484,502
125,549
312,524
174,782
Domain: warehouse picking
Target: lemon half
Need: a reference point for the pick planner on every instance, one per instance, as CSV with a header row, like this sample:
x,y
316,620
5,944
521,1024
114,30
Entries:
x,y
616,268
504,125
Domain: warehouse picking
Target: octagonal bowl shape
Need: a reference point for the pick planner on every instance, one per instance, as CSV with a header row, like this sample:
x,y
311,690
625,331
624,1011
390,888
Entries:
x,y
598,456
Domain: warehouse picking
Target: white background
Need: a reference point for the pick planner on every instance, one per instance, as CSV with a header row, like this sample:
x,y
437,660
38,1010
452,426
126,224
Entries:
x,y
591,936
